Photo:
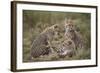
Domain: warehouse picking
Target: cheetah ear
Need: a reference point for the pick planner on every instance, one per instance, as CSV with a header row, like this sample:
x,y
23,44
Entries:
x,y
55,26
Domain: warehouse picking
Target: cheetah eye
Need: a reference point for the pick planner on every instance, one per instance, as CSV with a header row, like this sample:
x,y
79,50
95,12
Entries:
x,y
64,44
72,25
69,25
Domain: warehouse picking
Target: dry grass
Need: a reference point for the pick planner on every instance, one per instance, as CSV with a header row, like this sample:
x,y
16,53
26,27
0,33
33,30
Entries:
x,y
30,33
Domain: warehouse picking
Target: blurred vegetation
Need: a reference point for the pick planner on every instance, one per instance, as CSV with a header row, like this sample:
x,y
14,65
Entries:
x,y
34,22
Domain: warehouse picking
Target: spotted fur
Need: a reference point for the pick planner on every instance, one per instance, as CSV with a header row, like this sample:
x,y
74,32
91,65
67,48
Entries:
x,y
41,44
73,34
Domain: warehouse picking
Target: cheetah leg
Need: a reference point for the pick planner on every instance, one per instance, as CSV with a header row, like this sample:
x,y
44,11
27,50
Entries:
x,y
49,44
